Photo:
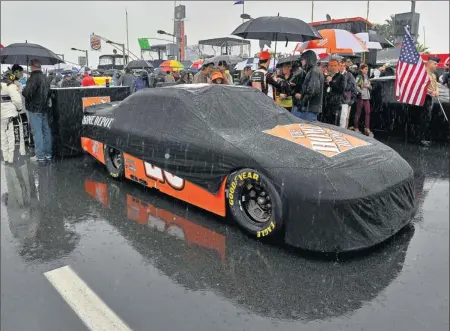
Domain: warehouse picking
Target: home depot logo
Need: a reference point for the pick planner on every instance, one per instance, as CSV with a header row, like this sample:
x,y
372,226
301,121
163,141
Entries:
x,y
322,42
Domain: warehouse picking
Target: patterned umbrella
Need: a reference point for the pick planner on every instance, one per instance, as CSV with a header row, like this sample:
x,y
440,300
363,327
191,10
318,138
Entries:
x,y
171,65
336,41
197,64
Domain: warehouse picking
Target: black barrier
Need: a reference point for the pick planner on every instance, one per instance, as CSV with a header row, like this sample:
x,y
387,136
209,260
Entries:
x,y
67,114
389,115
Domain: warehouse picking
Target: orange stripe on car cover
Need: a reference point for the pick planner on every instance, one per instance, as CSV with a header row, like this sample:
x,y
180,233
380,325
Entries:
x,y
93,147
135,170
142,212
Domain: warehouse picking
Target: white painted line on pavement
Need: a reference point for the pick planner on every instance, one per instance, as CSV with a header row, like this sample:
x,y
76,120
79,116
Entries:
x,y
87,305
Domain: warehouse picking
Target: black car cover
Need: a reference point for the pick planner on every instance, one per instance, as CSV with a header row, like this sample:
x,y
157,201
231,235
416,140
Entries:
x,y
346,182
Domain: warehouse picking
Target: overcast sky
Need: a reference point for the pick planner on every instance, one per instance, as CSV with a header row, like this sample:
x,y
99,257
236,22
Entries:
x,y
60,25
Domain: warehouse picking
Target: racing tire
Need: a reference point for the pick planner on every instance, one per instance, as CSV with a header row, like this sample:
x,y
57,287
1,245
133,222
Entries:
x,y
255,203
114,162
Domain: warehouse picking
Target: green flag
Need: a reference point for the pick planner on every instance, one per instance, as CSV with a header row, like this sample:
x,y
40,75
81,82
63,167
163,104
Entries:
x,y
143,43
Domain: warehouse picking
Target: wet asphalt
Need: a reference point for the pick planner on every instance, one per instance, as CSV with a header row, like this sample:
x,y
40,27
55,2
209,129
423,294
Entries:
x,y
162,265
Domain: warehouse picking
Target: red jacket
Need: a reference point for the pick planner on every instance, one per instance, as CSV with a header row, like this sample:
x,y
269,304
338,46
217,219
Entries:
x,y
88,81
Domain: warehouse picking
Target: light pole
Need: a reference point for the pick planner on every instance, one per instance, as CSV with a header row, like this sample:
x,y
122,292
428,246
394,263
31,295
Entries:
x,y
123,50
82,50
173,40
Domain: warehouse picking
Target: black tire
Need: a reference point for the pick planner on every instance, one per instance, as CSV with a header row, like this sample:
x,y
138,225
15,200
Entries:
x,y
114,162
243,203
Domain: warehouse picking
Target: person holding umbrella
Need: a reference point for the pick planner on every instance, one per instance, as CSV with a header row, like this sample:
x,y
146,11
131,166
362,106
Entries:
x,y
37,94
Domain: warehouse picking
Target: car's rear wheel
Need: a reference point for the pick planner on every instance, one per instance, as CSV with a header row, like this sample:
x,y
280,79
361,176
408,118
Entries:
x,y
255,203
114,162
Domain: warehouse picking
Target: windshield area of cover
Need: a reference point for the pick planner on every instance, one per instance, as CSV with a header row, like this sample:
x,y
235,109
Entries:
x,y
238,109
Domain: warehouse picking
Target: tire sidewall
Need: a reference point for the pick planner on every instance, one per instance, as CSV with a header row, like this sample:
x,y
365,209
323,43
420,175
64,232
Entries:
x,y
236,182
112,170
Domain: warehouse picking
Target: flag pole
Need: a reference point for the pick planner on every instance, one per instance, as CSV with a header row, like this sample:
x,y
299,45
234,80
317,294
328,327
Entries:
x,y
128,43
312,11
367,27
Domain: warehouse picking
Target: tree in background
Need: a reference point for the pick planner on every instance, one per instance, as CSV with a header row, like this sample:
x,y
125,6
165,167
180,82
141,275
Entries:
x,y
387,30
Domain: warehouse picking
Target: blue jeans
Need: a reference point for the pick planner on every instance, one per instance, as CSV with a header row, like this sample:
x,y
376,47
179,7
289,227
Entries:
x,y
42,135
305,115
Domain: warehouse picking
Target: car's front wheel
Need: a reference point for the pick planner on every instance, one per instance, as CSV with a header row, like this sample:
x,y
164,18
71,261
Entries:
x,y
255,203
114,162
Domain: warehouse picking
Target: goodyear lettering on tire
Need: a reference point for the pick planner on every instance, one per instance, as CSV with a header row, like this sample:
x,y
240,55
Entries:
x,y
240,179
266,231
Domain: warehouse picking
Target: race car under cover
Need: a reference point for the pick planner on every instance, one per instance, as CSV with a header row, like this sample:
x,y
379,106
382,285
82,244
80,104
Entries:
x,y
228,148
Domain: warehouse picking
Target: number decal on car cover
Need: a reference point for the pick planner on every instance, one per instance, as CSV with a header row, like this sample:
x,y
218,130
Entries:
x,y
163,176
240,179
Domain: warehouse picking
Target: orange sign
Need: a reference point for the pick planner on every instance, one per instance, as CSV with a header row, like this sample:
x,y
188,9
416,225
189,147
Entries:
x,y
91,101
322,140
96,43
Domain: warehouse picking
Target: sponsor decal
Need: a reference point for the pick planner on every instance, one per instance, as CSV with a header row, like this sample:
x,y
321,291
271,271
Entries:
x,y
266,231
164,176
101,121
322,140
240,179
91,101
96,42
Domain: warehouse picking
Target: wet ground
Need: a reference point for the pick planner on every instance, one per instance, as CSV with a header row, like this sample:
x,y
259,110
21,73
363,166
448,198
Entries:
x,y
161,265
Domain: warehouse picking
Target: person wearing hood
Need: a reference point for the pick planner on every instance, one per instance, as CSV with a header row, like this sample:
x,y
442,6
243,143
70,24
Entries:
x,y
11,105
142,81
311,96
127,79
296,82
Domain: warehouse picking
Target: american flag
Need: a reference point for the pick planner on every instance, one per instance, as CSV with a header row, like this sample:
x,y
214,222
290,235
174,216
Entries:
x,y
411,77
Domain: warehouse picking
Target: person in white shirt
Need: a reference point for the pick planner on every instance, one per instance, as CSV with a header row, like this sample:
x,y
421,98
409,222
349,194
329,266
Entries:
x,y
11,105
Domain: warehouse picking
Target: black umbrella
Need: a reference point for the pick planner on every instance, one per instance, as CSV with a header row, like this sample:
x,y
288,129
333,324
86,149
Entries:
x,y
289,59
22,53
276,28
139,64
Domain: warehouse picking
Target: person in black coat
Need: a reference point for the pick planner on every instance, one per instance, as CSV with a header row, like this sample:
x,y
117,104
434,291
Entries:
x,y
311,96
335,93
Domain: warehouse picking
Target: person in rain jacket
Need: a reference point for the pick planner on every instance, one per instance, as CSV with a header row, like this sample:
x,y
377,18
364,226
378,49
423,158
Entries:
x,y
297,83
142,81
11,105
311,97
127,79
37,96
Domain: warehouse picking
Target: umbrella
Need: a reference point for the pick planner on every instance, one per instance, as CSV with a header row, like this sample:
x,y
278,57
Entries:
x,y
231,60
288,59
197,64
171,65
372,36
253,63
276,28
336,41
365,38
139,64
22,53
